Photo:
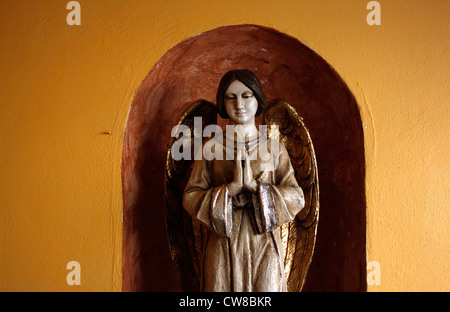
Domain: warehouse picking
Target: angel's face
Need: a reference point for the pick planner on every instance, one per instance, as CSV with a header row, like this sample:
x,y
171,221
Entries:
x,y
240,103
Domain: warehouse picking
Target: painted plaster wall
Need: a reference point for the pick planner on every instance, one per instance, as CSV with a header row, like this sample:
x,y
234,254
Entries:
x,y
66,91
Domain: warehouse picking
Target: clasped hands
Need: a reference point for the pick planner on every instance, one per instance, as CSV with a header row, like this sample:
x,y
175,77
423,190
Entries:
x,y
243,175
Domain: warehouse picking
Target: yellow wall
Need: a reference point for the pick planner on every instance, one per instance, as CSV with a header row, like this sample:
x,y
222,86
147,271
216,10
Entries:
x,y
63,87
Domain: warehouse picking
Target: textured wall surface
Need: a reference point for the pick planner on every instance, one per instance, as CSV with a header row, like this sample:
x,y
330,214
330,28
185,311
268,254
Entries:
x,y
66,92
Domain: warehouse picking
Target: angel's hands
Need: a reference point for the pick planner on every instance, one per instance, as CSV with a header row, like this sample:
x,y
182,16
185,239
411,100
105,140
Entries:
x,y
250,183
237,185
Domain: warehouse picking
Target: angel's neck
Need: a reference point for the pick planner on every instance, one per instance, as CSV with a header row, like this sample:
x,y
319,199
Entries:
x,y
242,132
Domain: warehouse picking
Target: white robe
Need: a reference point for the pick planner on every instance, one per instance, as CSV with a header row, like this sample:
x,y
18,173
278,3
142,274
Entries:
x,y
243,250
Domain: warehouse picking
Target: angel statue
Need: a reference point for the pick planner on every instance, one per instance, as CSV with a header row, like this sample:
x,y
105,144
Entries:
x,y
241,217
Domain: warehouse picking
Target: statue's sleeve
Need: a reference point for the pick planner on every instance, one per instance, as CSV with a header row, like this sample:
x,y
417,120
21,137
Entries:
x,y
278,203
212,206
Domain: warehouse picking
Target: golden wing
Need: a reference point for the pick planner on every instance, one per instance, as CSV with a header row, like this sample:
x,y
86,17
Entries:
x,y
298,236
186,238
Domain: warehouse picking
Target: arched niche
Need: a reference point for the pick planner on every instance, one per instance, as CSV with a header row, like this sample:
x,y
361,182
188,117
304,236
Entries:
x,y
287,69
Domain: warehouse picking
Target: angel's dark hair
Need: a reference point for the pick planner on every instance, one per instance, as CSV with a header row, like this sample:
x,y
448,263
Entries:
x,y
249,79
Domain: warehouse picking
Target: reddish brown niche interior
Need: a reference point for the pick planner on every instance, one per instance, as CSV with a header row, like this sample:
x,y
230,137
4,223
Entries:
x,y
287,69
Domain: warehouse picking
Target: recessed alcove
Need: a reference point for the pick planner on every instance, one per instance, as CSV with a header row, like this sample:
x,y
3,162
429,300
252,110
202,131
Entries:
x,y
287,69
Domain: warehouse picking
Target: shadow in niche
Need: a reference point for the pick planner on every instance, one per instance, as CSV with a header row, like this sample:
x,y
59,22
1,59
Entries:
x,y
287,69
